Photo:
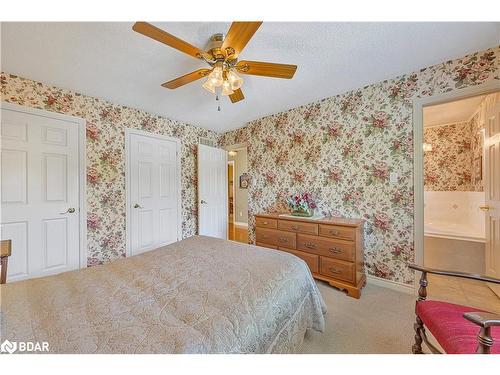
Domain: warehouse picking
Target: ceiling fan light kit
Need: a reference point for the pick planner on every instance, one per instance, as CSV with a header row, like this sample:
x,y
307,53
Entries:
x,y
222,55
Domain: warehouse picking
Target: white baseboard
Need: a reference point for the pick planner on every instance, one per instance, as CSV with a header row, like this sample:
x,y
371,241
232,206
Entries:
x,y
241,224
400,287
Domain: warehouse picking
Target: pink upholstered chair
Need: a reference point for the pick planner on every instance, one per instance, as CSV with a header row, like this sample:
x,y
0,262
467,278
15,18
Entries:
x,y
458,329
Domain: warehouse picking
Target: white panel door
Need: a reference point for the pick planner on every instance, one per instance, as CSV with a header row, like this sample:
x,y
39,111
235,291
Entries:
x,y
492,191
154,192
212,192
39,194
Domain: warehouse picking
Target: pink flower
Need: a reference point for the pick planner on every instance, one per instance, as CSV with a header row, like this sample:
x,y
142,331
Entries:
x,y
334,130
397,250
92,131
270,142
298,137
298,176
335,174
270,177
379,120
381,221
380,170
93,176
92,221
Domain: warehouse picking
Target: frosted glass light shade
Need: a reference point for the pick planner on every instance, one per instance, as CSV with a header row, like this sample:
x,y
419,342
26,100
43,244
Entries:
x,y
226,88
216,76
235,80
209,86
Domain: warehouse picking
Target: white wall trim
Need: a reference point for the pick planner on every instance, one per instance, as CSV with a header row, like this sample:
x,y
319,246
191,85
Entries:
x,y
400,287
231,162
240,224
82,166
128,133
418,165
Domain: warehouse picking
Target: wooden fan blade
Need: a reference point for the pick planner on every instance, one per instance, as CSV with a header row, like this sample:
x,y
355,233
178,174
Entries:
x,y
161,36
187,78
260,68
236,96
238,36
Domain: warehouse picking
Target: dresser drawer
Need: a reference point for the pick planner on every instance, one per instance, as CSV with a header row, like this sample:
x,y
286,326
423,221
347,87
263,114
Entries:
x,y
275,237
329,247
264,222
337,269
298,226
336,231
311,259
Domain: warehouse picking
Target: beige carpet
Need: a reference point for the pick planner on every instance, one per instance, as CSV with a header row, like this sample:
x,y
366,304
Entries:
x,y
380,322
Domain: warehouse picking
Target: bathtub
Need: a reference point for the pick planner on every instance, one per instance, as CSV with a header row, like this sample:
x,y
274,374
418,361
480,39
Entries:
x,y
454,215
456,231
454,236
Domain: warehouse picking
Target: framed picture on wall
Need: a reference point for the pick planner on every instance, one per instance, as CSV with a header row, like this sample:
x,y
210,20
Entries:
x,y
244,180
478,169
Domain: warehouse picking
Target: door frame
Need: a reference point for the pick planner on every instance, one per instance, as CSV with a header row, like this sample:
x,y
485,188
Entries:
x,y
234,195
82,167
128,133
418,158
235,147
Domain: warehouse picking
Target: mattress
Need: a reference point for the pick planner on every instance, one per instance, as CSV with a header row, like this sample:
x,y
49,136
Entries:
x,y
199,295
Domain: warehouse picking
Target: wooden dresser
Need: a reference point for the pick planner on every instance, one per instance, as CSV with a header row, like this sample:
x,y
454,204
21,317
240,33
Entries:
x,y
331,247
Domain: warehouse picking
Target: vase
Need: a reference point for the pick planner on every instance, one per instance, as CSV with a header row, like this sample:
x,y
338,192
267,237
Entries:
x,y
303,212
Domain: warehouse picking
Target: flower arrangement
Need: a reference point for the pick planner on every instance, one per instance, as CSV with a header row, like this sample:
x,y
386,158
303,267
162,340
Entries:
x,y
301,204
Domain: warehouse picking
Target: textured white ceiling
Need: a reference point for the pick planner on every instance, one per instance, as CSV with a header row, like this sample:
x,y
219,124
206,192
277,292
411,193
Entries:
x,y
456,111
110,61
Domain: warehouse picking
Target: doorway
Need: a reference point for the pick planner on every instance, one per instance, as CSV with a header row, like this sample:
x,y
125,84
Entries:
x,y
456,186
237,187
153,186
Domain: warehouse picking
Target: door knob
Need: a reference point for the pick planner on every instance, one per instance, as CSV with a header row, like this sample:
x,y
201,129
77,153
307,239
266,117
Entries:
x,y
137,205
203,202
70,210
484,208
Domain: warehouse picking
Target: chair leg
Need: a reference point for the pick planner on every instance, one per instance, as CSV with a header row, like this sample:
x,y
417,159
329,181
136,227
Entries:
x,y
418,326
485,341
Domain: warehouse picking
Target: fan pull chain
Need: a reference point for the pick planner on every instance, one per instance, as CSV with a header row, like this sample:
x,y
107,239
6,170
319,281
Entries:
x,y
217,98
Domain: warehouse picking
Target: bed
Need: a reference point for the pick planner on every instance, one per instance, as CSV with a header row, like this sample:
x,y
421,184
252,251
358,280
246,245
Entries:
x,y
199,295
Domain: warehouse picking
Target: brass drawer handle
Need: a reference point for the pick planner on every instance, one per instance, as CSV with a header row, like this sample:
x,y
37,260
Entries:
x,y
310,245
265,236
295,227
335,250
283,239
335,232
265,222
335,271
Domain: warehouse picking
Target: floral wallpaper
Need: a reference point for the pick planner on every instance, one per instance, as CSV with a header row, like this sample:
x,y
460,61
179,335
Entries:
x,y
477,152
106,123
448,167
343,149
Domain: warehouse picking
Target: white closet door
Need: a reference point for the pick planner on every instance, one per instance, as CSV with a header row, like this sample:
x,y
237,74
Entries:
x,y
492,191
154,192
39,194
212,191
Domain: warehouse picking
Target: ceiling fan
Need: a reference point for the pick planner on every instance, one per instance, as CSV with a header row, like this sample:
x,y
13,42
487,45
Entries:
x,y
221,54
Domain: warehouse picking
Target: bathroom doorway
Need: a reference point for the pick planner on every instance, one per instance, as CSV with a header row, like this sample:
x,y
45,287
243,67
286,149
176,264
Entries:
x,y
238,193
458,191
